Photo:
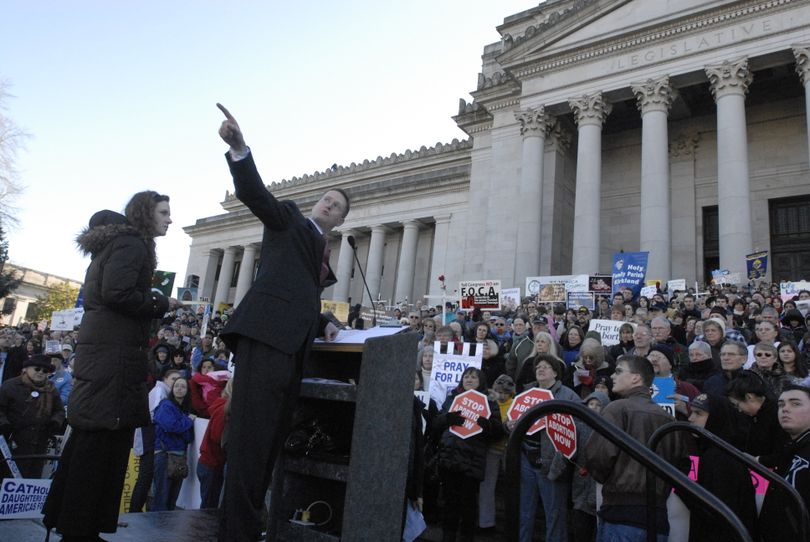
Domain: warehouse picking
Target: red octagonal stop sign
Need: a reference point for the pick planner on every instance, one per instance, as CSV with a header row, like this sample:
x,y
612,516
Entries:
x,y
471,404
526,400
563,433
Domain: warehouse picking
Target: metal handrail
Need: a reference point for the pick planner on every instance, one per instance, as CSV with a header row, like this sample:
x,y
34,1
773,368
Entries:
x,y
773,478
626,443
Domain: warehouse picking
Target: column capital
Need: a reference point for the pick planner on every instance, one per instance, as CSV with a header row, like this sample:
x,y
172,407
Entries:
x,y
411,224
230,250
802,55
442,219
559,137
653,95
590,109
382,228
729,77
533,121
684,145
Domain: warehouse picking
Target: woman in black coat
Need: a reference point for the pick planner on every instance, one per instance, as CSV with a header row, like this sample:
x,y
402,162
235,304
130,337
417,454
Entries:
x,y
462,461
109,397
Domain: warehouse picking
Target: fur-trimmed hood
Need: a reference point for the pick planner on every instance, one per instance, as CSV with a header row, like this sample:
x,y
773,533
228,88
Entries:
x,y
104,226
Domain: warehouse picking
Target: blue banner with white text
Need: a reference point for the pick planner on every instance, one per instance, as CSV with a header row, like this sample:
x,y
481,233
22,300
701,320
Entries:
x,y
629,270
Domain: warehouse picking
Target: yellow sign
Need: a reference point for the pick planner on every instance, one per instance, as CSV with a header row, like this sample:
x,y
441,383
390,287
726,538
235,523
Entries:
x,y
129,482
339,308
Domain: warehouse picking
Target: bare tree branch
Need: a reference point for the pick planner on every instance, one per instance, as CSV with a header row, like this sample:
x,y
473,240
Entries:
x,y
12,140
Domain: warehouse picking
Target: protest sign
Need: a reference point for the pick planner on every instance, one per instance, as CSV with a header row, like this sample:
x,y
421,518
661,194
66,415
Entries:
x,y
787,290
339,308
600,284
676,285
574,300
65,320
629,269
163,282
133,467
663,387
187,294
448,367
756,265
561,430
383,317
484,294
649,291
760,484
471,404
523,402
23,497
535,287
608,330
6,451
510,299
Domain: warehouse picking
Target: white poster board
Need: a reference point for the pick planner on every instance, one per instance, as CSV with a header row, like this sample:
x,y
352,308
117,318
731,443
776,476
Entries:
x,y
447,369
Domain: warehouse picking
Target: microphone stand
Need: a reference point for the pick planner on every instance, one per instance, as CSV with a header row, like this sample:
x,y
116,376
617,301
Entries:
x,y
363,275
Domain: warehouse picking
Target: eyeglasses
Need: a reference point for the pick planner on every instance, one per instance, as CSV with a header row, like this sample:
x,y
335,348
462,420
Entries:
x,y
499,325
39,369
414,318
763,355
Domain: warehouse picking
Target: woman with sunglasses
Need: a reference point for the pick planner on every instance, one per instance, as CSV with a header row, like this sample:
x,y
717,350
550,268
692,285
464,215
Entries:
x,y
767,366
109,397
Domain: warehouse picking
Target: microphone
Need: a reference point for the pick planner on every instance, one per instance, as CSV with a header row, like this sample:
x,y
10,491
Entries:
x,y
353,244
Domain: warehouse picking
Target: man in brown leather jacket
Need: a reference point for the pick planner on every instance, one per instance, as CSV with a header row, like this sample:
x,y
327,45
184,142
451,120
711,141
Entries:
x,y
624,511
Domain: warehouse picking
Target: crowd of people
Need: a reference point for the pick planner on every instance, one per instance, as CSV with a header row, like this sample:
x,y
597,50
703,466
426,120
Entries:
x,y
740,361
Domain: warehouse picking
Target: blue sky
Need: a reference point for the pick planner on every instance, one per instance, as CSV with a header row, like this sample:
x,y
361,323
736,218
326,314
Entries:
x,y
119,97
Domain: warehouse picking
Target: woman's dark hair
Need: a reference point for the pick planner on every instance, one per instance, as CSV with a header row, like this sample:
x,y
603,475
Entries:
x,y
644,300
185,403
140,211
482,380
564,338
747,382
801,367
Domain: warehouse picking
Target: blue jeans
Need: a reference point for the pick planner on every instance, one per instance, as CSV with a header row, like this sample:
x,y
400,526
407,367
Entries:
x,y
210,485
617,532
166,491
554,495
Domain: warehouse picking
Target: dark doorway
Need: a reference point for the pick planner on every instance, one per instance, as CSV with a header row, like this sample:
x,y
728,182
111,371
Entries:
x,y
711,242
790,238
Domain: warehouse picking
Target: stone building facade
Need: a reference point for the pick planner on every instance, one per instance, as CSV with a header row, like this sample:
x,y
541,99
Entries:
x,y
34,284
677,127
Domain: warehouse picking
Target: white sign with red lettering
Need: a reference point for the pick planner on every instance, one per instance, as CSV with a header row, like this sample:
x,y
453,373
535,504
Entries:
x,y
471,404
561,430
525,401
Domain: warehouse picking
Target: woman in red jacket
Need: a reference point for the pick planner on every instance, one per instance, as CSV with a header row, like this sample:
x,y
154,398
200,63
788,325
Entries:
x,y
211,463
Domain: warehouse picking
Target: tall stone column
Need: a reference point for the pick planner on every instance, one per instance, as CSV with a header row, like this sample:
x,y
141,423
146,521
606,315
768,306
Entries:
x,y
654,99
590,112
802,54
225,277
374,266
245,279
344,268
438,266
407,262
533,127
729,83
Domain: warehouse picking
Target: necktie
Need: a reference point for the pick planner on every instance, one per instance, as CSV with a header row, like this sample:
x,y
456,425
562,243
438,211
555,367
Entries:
x,y
325,261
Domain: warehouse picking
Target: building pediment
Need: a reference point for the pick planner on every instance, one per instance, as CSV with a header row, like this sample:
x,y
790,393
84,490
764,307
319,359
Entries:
x,y
593,23
550,23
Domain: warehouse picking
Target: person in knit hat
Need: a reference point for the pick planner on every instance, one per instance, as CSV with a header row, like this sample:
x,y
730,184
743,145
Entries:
x,y
31,412
502,393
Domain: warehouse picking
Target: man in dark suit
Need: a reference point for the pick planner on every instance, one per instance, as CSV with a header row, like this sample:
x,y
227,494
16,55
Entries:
x,y
271,331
